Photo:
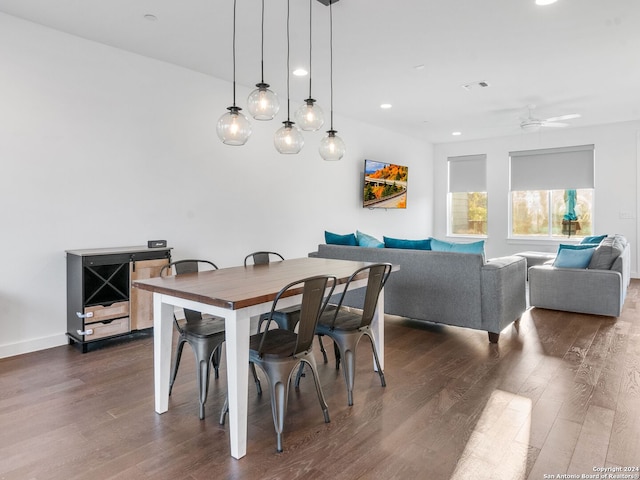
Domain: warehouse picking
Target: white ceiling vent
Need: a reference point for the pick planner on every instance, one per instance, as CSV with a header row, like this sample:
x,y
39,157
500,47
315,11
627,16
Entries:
x,y
474,85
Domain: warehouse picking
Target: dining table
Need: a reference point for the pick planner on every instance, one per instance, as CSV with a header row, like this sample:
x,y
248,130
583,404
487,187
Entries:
x,y
237,294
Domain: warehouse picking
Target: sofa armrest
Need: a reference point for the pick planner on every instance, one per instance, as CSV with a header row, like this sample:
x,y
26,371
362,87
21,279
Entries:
x,y
598,292
503,292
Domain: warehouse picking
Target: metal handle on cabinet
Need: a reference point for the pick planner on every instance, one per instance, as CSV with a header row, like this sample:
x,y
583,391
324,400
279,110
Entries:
x,y
84,315
85,332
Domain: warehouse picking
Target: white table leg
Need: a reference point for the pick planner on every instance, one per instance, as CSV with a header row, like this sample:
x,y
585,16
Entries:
x,y
377,327
237,345
162,338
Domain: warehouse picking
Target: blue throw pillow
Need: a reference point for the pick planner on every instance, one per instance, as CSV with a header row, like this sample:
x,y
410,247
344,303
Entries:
x,y
410,244
335,239
473,247
596,239
365,240
571,258
580,246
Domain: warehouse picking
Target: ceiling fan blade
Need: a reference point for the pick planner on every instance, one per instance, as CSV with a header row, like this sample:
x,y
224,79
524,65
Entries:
x,y
563,117
554,124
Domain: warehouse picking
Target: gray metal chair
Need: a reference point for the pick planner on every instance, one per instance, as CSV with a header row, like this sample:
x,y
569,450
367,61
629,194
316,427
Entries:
x,y
279,352
346,326
286,318
205,334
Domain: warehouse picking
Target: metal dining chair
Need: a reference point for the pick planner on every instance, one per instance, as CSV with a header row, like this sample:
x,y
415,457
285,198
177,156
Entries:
x,y
279,351
205,334
286,318
346,325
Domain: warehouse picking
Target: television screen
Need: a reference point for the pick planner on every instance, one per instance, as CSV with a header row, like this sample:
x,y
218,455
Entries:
x,y
385,185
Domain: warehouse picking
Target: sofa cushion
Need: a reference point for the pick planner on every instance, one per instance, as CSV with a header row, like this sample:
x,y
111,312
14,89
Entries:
x,y
606,253
573,258
593,239
365,240
408,244
336,239
473,247
620,240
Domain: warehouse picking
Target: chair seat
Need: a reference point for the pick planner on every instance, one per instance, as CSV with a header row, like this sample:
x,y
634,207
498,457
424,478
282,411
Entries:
x,y
346,319
203,328
279,343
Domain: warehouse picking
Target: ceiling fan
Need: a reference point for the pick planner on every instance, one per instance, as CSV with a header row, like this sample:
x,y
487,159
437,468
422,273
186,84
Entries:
x,y
531,123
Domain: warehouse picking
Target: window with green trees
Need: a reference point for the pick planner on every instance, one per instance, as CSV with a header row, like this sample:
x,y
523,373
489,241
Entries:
x,y
552,192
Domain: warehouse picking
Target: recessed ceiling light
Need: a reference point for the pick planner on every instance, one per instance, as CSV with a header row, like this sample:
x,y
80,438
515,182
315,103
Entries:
x,y
456,134
150,17
300,72
385,106
545,2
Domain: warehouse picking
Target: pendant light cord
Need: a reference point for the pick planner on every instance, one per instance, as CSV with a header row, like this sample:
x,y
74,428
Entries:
x,y
234,52
262,47
310,42
288,67
331,58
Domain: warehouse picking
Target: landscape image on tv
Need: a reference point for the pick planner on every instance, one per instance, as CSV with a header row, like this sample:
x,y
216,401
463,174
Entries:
x,y
385,185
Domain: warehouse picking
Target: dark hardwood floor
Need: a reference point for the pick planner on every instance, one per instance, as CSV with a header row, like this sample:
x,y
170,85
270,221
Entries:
x,y
560,394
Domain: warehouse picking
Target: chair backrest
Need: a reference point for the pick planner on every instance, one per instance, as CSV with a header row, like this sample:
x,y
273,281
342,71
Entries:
x,y
188,266
262,258
312,305
378,275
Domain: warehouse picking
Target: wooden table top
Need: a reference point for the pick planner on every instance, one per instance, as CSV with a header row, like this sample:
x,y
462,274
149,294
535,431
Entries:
x,y
239,287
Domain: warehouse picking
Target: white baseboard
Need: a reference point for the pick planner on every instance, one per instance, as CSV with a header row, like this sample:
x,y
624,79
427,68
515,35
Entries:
x,y
32,345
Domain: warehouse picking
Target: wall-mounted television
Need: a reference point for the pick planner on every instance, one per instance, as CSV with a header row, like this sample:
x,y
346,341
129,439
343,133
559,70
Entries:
x,y
385,185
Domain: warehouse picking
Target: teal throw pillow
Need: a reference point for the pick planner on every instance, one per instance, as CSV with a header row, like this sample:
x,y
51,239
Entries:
x,y
571,258
594,239
580,246
473,247
409,244
365,240
335,239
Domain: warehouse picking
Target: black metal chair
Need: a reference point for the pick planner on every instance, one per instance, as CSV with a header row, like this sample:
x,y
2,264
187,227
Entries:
x,y
205,334
346,325
279,351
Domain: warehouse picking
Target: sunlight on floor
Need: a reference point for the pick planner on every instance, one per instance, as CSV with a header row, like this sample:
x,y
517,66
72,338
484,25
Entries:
x,y
498,446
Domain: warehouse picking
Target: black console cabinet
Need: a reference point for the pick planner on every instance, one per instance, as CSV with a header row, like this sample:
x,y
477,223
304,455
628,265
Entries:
x,y
100,301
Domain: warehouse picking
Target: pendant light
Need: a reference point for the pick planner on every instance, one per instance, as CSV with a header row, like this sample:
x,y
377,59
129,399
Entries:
x,y
309,116
288,138
233,128
263,103
331,147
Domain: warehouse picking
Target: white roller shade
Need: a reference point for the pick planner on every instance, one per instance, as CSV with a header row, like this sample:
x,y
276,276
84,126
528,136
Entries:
x,y
553,168
468,173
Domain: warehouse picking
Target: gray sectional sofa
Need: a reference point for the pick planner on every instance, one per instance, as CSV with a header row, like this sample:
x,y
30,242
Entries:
x,y
599,289
458,289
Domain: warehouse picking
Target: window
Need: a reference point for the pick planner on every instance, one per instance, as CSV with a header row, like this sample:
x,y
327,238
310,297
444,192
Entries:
x,y
467,195
552,192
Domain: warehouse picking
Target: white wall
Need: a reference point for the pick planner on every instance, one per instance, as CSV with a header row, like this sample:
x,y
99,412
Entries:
x,y
103,148
616,177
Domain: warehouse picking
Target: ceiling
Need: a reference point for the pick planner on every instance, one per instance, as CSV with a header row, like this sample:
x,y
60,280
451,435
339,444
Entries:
x,y
575,56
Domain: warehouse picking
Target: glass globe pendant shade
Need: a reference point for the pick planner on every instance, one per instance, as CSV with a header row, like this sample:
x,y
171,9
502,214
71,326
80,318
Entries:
x,y
233,127
309,116
332,147
288,138
262,103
